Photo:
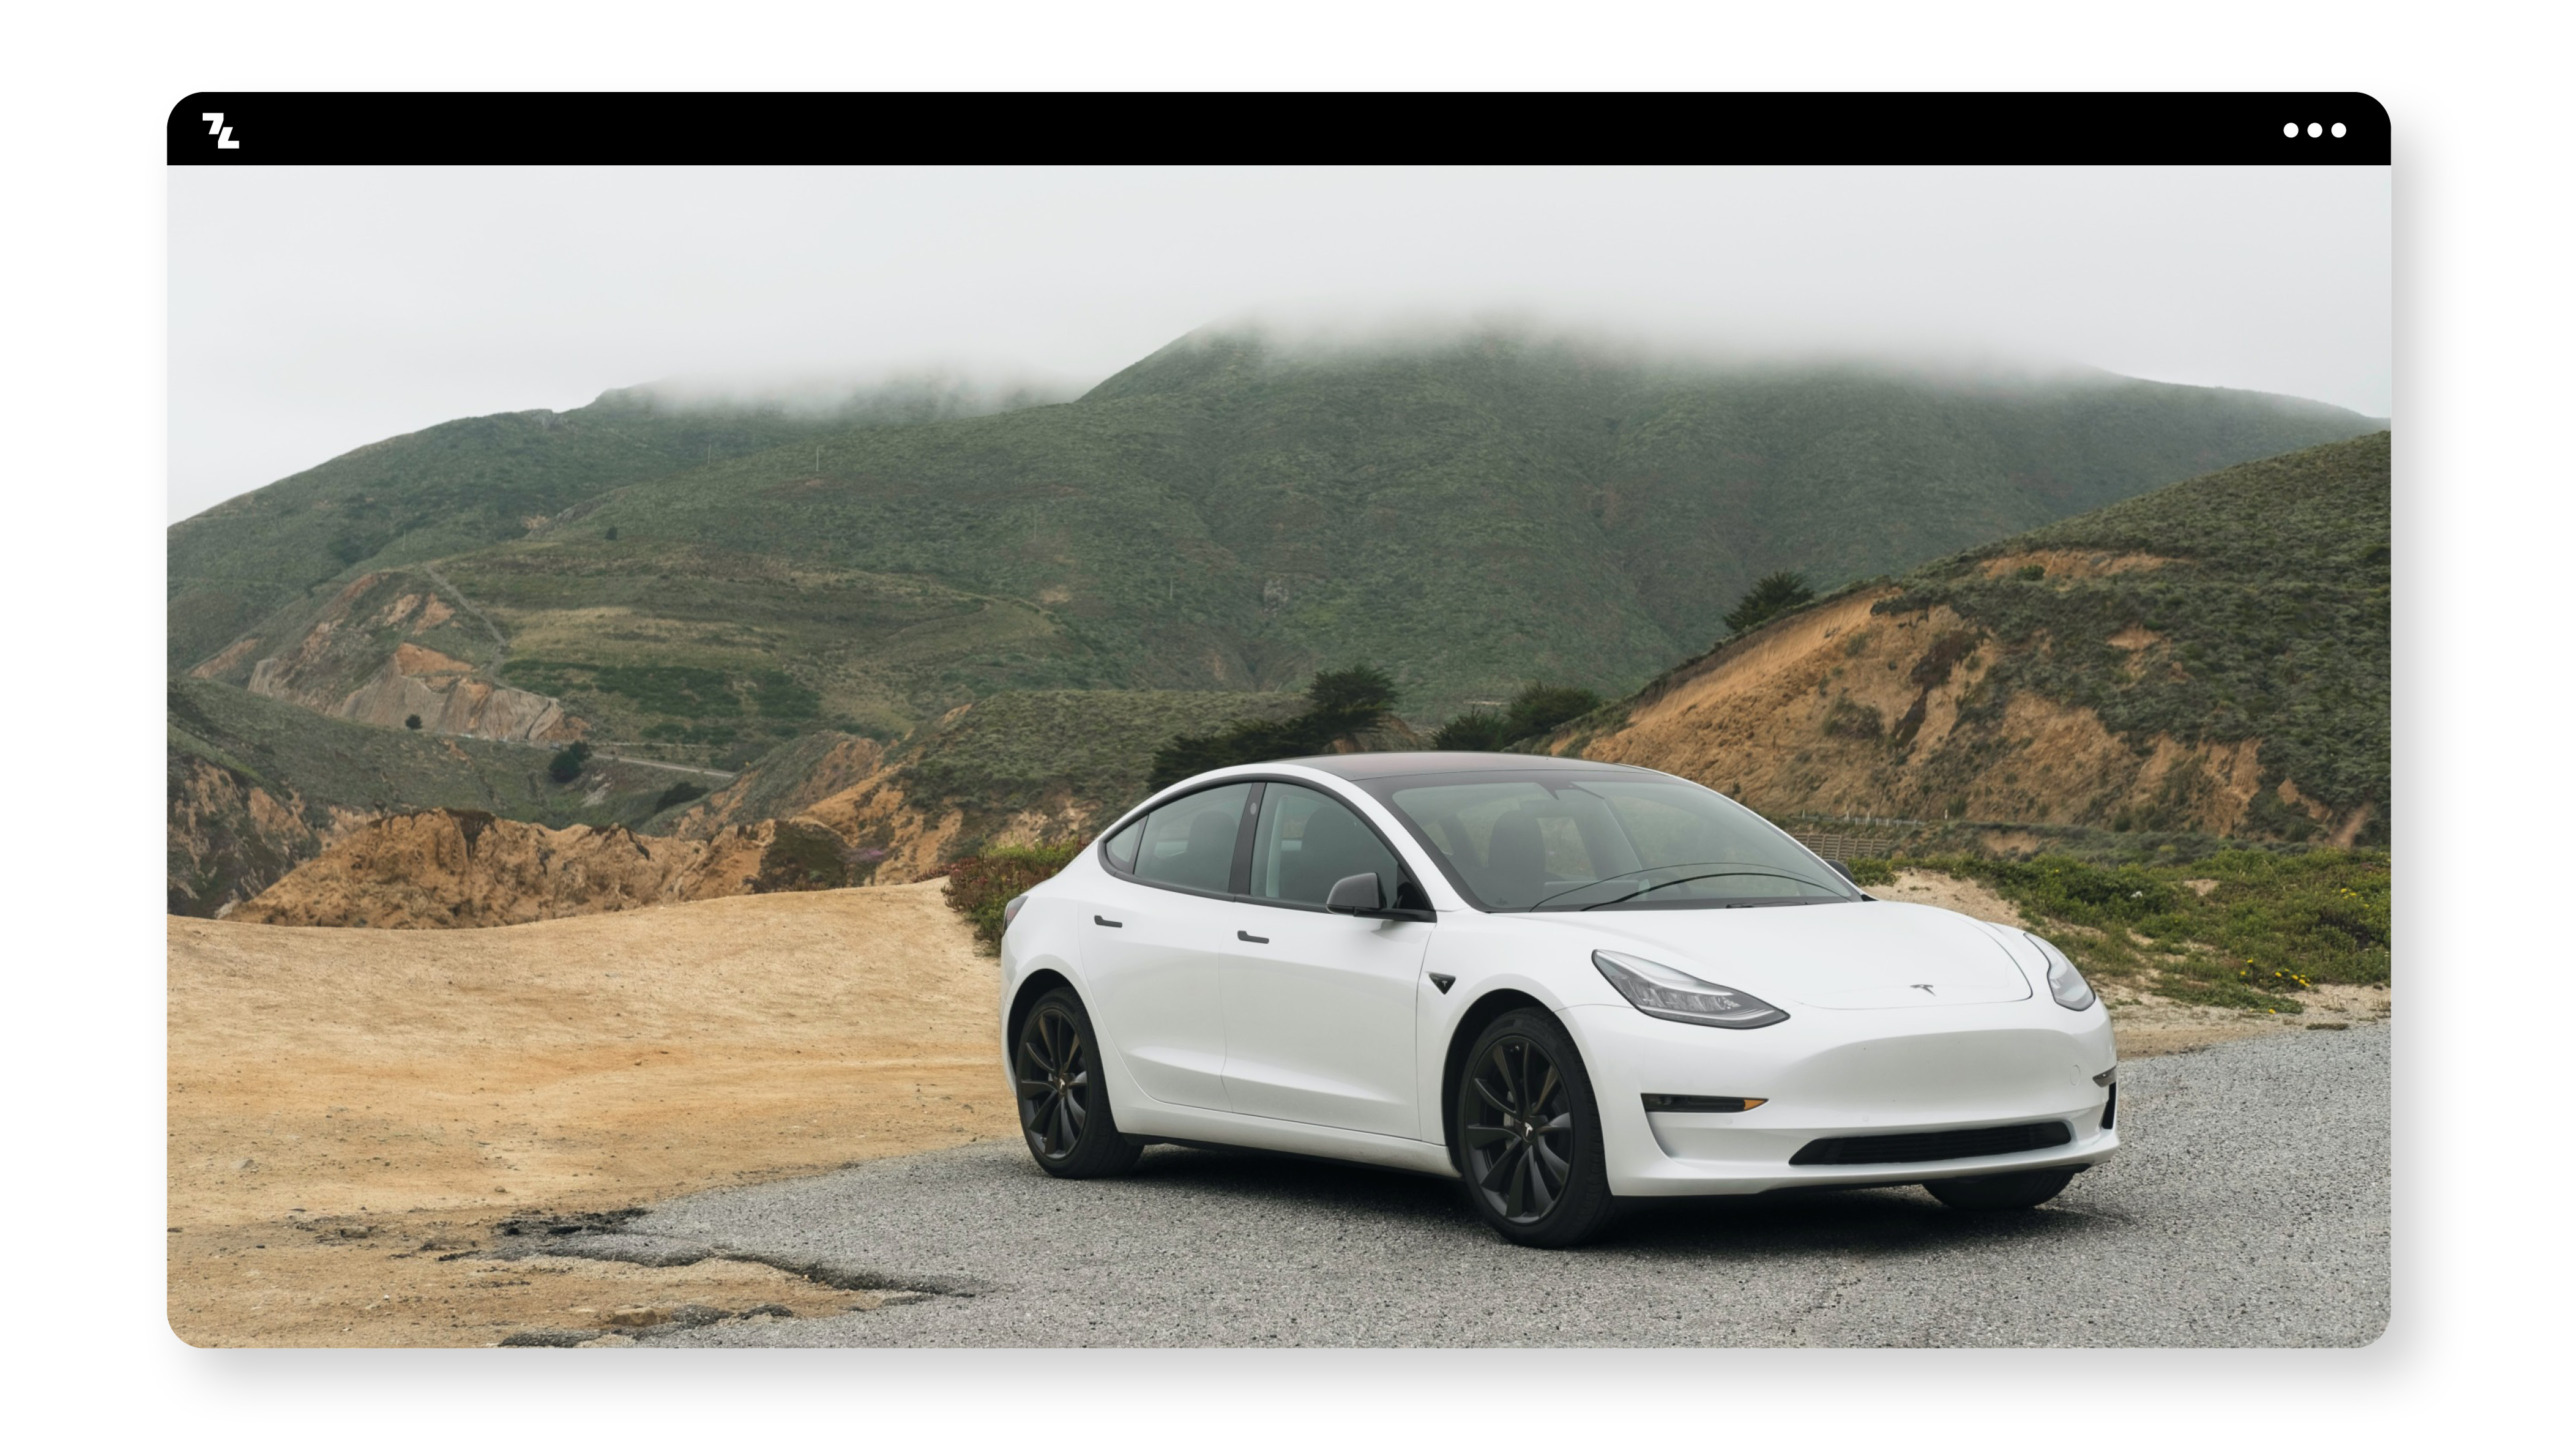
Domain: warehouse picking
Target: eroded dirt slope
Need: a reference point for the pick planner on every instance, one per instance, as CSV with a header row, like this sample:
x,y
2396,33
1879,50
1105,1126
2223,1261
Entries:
x,y
1842,710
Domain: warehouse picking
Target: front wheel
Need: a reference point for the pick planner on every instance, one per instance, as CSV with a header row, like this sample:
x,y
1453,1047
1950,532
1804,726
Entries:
x,y
2017,1190
1058,1086
1529,1134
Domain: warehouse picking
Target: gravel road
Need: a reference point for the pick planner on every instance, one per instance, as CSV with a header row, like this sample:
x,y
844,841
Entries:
x,y
2250,1206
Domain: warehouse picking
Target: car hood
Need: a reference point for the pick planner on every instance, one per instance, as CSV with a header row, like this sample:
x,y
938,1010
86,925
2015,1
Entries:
x,y
1865,956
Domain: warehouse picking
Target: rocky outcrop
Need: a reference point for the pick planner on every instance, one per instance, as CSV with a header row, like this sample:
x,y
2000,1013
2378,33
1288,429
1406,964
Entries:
x,y
458,869
390,647
448,696
231,837
780,785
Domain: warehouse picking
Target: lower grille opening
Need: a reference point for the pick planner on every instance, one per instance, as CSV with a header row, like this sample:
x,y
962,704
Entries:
x,y
2108,1120
1932,1145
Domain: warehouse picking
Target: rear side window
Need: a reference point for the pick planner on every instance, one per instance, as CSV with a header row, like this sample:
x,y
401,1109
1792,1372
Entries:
x,y
1191,843
1122,849
1307,840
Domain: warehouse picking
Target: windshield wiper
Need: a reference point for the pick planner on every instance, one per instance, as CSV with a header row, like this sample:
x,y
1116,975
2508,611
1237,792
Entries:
x,y
1706,873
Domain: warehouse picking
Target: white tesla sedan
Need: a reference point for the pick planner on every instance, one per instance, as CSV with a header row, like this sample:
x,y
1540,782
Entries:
x,y
1558,981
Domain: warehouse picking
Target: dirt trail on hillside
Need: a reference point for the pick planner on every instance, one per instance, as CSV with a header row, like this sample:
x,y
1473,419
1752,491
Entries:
x,y
362,1103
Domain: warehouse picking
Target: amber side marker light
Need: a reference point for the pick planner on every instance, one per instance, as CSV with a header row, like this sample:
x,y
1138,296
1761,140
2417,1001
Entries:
x,y
1702,1104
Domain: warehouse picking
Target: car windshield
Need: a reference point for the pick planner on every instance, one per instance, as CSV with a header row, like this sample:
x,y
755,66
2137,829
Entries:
x,y
1566,840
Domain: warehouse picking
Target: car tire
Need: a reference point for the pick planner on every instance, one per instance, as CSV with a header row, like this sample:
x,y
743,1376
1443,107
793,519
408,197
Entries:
x,y
1523,1084
1061,1095
2018,1190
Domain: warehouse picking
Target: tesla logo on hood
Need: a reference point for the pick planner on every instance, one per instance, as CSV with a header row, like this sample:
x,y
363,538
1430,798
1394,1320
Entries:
x,y
1932,989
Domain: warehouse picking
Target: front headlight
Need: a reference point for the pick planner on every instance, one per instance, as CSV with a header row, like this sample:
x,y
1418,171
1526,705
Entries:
x,y
1667,994
2070,990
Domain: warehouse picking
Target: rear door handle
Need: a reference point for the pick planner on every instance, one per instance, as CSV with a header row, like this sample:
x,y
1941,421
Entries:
x,y
1256,939
1107,924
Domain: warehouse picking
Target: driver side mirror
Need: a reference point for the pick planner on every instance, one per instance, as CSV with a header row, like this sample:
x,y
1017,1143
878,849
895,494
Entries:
x,y
1357,895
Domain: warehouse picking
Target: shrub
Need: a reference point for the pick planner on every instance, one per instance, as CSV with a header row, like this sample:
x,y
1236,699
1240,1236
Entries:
x,y
677,794
568,762
1531,713
1479,731
1340,705
1768,598
1541,708
982,884
2250,929
415,723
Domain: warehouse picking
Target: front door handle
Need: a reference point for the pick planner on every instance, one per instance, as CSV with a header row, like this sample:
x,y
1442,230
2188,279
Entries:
x,y
1106,924
1256,939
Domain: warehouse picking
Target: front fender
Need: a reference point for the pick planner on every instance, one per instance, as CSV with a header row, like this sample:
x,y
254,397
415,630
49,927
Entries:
x,y
1550,967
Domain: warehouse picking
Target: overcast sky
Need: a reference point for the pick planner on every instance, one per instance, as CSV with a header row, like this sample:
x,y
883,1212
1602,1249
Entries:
x,y
315,310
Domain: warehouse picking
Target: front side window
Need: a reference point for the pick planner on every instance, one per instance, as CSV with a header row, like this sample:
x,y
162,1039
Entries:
x,y
1191,843
1561,841
1306,840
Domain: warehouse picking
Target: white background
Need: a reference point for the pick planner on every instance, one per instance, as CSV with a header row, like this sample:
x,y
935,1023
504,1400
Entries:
x,y
85,351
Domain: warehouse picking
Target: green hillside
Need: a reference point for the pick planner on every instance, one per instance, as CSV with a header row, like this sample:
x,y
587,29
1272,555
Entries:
x,y
1224,515
460,486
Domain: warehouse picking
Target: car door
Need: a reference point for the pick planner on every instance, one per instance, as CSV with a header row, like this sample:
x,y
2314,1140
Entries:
x,y
1156,944
1320,1007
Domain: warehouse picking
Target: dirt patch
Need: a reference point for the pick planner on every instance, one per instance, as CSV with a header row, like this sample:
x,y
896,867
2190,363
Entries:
x,y
432,1084
2072,564
2149,1025
1965,897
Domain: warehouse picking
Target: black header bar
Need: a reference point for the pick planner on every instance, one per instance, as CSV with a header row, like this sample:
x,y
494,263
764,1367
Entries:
x,y
1274,129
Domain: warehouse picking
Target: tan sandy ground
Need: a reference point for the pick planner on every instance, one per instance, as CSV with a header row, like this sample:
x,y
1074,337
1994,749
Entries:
x,y
344,1097
2148,1024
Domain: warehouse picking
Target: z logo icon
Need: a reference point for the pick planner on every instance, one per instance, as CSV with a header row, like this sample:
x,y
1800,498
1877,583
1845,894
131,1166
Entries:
x,y
222,133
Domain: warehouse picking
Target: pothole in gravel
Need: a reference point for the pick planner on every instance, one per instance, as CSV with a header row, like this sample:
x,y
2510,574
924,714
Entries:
x,y
493,1277
541,1244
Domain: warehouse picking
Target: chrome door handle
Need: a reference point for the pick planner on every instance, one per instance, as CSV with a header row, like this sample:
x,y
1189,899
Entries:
x,y
1256,939
1107,924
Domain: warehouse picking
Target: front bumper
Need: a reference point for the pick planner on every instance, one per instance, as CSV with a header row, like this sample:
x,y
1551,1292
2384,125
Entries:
x,y
1839,1073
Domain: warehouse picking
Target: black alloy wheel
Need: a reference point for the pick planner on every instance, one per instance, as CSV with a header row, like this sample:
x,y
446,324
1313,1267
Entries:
x,y
1529,1135
1058,1087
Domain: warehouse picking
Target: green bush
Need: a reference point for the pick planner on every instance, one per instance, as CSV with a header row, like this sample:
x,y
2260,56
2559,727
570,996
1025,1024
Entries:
x,y
678,794
1341,704
984,883
1532,713
1871,872
2245,928
1479,731
568,762
1768,598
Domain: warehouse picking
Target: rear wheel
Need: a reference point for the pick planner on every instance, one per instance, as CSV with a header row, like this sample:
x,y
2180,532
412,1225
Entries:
x,y
2018,1190
1529,1134
1058,1086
